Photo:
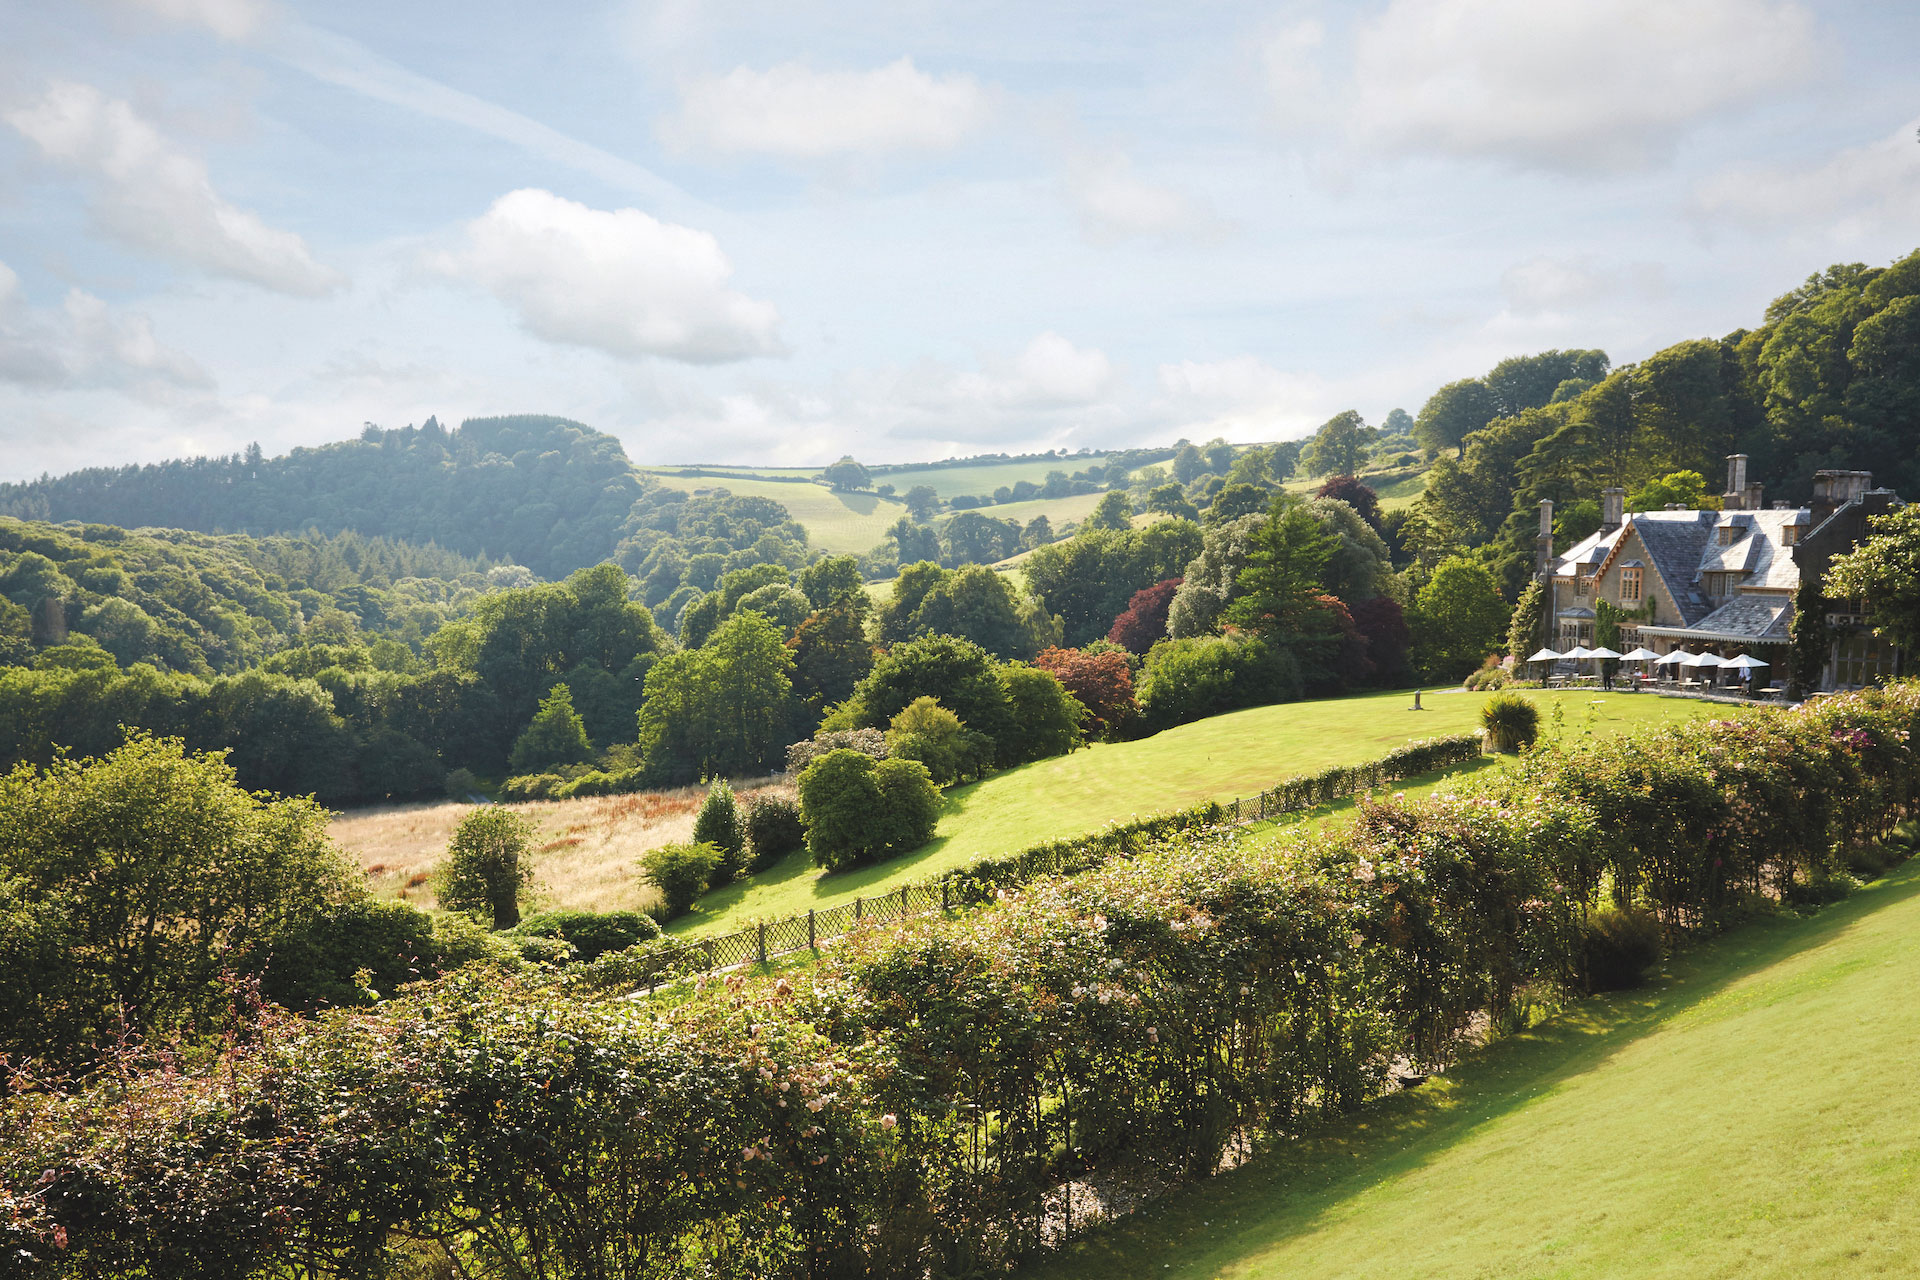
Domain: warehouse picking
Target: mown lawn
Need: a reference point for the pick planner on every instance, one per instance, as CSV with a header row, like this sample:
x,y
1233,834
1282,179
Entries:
x,y
1750,1116
1238,754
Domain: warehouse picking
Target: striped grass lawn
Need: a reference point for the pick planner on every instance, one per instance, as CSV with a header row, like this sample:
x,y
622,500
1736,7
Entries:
x,y
1750,1115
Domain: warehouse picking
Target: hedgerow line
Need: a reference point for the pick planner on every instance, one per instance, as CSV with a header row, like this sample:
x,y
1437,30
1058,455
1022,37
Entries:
x,y
980,880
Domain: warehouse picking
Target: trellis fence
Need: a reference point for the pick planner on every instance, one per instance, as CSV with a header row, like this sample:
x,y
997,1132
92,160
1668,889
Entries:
x,y
980,880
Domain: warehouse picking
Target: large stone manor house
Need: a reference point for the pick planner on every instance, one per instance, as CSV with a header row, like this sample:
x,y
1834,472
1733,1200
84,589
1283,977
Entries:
x,y
1720,581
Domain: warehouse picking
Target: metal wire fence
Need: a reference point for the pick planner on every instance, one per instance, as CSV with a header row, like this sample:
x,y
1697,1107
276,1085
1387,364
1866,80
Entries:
x,y
772,939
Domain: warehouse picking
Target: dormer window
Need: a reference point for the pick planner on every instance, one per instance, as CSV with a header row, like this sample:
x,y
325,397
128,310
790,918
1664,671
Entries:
x,y
1630,586
1579,585
1729,534
1789,534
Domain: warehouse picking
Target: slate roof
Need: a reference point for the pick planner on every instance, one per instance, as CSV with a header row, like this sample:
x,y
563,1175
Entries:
x,y
1676,540
1746,617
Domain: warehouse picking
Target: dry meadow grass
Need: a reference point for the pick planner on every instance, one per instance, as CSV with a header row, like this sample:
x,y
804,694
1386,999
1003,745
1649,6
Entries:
x,y
586,853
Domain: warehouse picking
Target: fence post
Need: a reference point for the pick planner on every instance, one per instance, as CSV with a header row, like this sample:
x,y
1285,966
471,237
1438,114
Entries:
x,y
1236,809
859,908
812,943
946,900
711,962
763,942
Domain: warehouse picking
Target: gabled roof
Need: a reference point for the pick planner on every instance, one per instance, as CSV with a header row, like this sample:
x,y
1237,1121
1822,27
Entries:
x,y
1674,542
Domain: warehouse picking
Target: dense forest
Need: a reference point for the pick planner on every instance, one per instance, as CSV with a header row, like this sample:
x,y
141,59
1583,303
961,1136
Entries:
x,y
544,492
202,604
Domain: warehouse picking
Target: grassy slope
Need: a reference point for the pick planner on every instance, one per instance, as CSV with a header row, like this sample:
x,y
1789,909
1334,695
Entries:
x,y
1396,488
842,523
1223,757
983,479
1748,1118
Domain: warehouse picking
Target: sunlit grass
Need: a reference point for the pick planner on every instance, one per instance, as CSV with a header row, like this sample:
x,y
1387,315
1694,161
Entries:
x,y
1749,1116
1239,754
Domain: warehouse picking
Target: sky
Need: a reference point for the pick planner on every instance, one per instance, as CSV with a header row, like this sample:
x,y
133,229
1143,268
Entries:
x,y
776,232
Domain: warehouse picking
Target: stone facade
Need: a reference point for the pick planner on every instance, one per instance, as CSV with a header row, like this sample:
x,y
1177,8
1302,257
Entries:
x,y
1719,581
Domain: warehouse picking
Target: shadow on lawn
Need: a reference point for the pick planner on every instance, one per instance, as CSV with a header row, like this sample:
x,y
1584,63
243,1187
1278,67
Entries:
x,y
1285,1193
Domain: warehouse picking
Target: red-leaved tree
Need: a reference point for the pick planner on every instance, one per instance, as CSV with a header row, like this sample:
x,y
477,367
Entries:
x,y
1101,681
1145,619
1356,495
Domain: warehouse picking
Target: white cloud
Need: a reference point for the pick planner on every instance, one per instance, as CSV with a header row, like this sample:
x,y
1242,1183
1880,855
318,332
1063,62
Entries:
x,y
1594,85
86,343
157,197
1862,189
1113,203
617,280
1244,398
1553,284
1290,59
793,111
228,19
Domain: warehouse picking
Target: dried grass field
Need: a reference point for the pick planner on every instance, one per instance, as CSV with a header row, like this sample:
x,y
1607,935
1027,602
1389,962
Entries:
x,y
586,856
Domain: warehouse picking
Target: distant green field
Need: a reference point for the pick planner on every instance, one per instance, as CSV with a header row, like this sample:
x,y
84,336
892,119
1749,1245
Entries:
x,y
1396,488
986,477
1058,511
1238,754
841,523
1747,1119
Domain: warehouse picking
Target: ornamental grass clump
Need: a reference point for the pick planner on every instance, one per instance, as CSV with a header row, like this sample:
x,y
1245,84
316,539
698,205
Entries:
x,y
1512,722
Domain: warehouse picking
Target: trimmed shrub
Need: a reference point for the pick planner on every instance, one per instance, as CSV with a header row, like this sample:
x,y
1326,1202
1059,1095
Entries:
x,y
859,810
718,824
681,872
591,934
1488,679
487,866
774,830
1511,721
1618,948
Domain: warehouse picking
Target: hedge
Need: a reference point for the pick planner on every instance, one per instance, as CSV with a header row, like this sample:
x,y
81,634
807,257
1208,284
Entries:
x,y
911,1104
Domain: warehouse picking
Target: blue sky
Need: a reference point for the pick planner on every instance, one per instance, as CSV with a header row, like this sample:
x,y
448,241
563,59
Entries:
x,y
776,232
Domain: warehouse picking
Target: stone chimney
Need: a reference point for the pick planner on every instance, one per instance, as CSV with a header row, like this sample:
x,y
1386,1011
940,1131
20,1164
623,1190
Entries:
x,y
1833,490
1755,497
1613,506
1543,542
1735,498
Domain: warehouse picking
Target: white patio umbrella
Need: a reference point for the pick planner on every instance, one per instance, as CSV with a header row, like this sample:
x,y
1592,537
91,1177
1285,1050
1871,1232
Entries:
x,y
1578,652
1704,660
1604,652
1642,654
1673,659
1745,662
1546,655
